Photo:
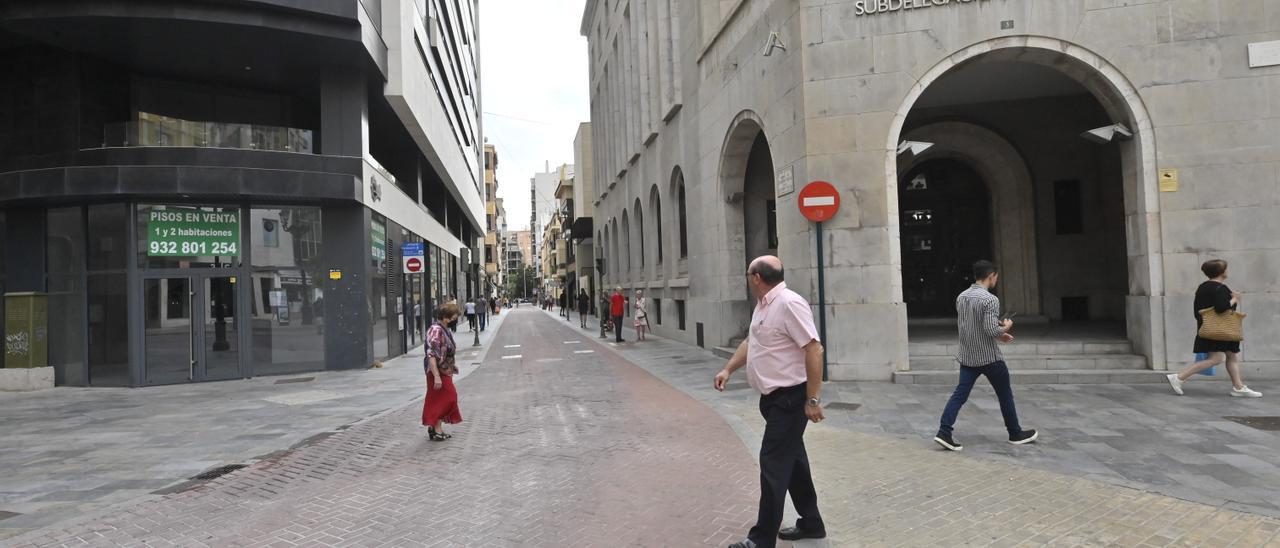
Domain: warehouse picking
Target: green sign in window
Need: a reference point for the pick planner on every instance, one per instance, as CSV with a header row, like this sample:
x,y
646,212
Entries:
x,y
193,233
378,237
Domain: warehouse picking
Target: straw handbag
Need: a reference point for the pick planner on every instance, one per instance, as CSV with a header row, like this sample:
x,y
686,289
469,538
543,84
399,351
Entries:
x,y
1227,326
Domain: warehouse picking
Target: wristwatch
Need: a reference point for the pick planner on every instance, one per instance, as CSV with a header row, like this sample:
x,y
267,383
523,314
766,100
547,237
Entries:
x,y
814,402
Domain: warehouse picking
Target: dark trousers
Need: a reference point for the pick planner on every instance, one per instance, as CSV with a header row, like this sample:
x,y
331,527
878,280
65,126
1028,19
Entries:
x,y
617,327
784,467
484,320
582,317
471,322
997,374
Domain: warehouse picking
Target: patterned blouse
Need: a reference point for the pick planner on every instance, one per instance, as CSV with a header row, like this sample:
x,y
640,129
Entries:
x,y
440,346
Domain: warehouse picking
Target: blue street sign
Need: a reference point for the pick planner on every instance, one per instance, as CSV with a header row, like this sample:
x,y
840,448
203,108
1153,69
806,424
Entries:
x,y
412,249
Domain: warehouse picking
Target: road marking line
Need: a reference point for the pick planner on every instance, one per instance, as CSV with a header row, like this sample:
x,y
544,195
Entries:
x,y
512,357
584,351
573,342
512,346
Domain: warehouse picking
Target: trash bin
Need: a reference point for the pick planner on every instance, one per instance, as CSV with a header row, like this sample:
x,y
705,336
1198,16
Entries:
x,y
26,330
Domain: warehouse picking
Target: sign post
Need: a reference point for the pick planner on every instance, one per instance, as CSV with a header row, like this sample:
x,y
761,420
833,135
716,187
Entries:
x,y
819,201
413,257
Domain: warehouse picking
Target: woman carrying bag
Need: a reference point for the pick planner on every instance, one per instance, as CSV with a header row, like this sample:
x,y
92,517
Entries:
x,y
642,315
1218,331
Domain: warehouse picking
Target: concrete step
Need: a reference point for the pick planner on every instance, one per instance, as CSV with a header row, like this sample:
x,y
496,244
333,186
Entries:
x,y
1026,348
1051,362
1064,376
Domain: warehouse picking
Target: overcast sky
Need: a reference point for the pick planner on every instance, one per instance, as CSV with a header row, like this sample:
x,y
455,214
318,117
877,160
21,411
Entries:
x,y
533,80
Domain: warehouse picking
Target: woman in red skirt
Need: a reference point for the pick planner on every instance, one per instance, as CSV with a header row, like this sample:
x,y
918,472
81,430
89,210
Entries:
x,y
441,405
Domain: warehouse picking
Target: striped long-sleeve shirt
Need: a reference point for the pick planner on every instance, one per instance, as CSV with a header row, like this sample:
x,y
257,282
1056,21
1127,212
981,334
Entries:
x,y
978,320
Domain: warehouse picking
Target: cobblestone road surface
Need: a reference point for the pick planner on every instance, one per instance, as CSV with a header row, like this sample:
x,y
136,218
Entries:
x,y
565,445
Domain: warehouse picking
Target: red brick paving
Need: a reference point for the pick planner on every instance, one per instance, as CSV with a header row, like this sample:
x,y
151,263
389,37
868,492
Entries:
x,y
557,449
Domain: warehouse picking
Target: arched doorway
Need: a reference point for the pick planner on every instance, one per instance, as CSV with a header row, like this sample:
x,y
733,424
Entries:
x,y
945,226
1077,219
747,181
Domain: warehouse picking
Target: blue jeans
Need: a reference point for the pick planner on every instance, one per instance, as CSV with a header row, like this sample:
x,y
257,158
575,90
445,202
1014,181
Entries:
x,y
997,374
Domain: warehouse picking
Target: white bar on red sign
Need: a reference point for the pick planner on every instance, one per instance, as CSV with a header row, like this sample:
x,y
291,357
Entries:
x,y
820,201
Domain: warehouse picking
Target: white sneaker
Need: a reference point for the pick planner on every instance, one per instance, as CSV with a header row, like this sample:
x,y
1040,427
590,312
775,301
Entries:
x,y
1245,392
1176,383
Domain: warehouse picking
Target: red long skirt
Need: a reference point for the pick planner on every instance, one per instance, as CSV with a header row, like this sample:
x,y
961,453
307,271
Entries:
x,y
441,404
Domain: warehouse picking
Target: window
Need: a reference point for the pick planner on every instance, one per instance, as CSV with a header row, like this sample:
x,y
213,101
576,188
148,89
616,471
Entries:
x,y
288,286
680,314
657,219
270,233
684,227
657,311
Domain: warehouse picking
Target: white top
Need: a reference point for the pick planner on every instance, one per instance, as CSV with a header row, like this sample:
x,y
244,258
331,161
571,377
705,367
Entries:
x,y
471,307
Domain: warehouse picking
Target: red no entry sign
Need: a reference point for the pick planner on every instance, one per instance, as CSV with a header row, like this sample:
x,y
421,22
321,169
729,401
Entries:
x,y
413,265
819,201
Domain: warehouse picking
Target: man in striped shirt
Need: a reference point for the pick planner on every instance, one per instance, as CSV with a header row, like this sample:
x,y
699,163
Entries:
x,y
980,326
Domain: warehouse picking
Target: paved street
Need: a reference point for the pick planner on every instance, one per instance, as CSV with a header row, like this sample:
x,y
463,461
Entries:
x,y
571,442
71,451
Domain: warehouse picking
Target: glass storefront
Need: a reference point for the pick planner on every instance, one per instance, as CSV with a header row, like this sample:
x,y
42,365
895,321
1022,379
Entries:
x,y
171,293
287,252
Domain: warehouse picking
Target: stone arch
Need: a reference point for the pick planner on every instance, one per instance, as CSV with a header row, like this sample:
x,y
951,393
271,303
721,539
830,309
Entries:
x,y
682,228
641,248
624,265
747,185
1120,99
1012,202
659,229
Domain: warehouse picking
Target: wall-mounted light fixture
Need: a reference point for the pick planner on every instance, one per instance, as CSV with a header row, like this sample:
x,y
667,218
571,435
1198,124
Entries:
x,y
1106,134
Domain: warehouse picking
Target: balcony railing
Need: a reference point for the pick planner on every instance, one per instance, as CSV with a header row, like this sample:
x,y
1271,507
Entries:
x,y
160,131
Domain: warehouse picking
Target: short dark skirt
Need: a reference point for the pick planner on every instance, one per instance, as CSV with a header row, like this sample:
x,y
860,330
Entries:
x,y
1206,345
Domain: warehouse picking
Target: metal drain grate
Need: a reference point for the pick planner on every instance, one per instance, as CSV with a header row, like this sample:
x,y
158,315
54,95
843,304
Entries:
x,y
1270,424
218,472
843,406
299,379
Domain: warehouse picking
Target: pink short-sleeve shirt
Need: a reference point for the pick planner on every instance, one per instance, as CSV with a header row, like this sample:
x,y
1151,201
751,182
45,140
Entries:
x,y
781,326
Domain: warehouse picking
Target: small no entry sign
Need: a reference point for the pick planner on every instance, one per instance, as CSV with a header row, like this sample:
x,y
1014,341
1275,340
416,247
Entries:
x,y
819,201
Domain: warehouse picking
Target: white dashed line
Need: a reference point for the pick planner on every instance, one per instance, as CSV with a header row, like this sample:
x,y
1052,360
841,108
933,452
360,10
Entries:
x,y
573,342
584,351
512,346
512,357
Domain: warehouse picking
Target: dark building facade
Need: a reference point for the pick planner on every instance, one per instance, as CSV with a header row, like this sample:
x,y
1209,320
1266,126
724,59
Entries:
x,y
208,190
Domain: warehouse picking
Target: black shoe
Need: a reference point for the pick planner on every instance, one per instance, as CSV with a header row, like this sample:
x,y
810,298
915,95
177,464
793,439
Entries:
x,y
796,533
947,442
746,543
1024,437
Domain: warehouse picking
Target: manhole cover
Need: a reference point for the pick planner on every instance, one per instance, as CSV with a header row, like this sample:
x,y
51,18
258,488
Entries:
x,y
218,472
6,515
1270,424
843,406
299,379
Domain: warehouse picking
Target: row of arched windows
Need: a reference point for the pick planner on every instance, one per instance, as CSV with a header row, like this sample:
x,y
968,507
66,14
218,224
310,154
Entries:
x,y
617,237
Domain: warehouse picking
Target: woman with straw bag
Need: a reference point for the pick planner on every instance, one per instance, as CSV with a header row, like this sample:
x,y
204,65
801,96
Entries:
x,y
1218,330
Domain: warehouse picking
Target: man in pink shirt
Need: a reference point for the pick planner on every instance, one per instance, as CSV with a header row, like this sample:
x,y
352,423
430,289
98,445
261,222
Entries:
x,y
784,363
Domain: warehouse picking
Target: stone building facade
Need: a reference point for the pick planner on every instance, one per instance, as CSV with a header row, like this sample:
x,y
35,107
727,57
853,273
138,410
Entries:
x,y
954,131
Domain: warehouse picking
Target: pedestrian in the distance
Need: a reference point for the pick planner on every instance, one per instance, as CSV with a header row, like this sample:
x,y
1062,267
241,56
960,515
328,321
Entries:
x,y
584,306
417,316
453,300
642,315
482,312
978,321
617,309
441,405
1215,294
470,307
783,357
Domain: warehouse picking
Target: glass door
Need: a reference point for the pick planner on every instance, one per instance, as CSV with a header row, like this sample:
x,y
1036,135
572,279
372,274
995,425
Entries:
x,y
167,331
218,355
